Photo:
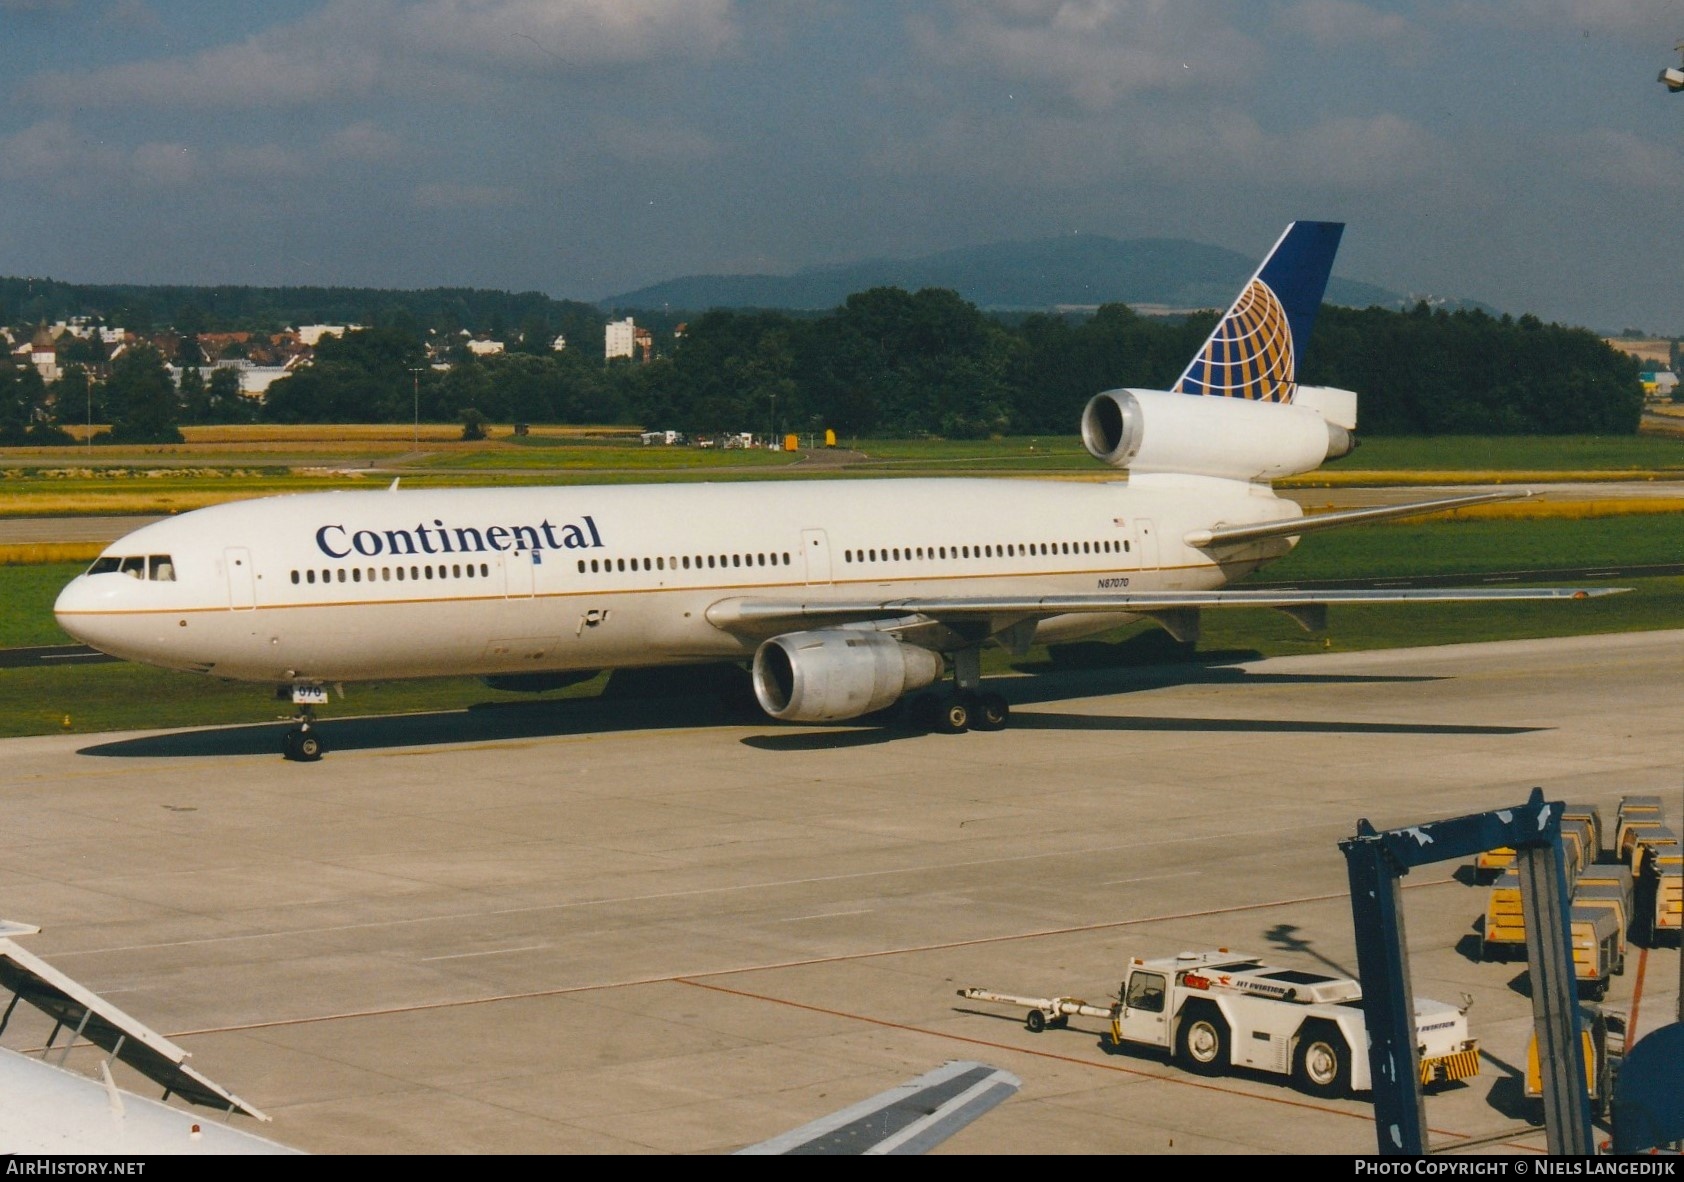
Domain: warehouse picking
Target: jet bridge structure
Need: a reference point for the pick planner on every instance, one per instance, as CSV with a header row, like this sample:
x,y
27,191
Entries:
x,y
1376,863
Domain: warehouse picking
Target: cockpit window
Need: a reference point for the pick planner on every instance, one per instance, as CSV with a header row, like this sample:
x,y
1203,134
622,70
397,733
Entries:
x,y
159,568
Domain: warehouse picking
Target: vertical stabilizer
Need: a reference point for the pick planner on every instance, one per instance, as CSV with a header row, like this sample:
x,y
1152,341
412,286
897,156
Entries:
x,y
1253,351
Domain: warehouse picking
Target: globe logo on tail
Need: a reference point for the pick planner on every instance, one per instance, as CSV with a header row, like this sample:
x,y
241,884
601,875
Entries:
x,y
1250,353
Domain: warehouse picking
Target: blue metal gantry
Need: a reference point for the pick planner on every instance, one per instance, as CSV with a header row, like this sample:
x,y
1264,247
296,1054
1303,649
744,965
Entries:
x,y
1375,862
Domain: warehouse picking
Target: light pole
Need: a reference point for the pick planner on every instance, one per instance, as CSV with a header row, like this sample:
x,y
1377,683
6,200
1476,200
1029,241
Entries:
x,y
416,370
772,441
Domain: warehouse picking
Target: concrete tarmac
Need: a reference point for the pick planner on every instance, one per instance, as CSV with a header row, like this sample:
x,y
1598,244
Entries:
x,y
635,928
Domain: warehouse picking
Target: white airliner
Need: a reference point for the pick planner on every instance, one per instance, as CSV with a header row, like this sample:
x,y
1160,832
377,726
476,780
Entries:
x,y
844,595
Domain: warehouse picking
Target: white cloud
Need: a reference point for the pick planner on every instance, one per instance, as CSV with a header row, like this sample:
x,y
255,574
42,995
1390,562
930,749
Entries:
x,y
55,156
452,195
352,48
1619,160
365,142
658,140
165,166
1640,17
544,34
1345,22
1093,52
259,72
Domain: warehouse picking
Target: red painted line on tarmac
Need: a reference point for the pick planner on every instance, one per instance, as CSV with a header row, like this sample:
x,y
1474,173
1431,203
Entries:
x,y
1636,997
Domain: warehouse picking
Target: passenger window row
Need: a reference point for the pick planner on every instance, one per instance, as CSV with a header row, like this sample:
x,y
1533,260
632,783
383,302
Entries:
x,y
685,562
1005,550
387,574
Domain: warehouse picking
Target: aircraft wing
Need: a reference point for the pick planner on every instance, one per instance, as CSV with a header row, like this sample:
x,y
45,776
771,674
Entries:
x,y
911,1118
996,613
47,1109
88,1015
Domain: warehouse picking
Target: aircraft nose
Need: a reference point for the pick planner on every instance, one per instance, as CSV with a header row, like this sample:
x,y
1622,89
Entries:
x,y
71,607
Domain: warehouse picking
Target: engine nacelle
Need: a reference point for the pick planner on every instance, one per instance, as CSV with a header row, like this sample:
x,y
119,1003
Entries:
x,y
838,673
1196,435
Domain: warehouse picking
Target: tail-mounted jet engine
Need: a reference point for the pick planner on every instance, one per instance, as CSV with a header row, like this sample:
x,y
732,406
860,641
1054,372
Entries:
x,y
1148,431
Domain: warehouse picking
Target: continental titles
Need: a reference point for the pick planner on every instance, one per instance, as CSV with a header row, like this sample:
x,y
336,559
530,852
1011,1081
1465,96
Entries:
x,y
341,541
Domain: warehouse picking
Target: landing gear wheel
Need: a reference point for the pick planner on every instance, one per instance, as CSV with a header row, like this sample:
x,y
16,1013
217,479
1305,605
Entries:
x,y
990,713
1322,1066
1202,1042
301,746
955,716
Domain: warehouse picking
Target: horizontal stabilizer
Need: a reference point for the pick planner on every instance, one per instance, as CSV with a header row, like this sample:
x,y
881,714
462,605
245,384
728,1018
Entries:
x,y
1204,539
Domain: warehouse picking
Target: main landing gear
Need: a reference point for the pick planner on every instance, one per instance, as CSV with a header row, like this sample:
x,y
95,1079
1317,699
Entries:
x,y
302,744
965,707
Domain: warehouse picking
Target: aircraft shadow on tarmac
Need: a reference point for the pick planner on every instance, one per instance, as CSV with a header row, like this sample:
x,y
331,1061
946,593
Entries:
x,y
640,706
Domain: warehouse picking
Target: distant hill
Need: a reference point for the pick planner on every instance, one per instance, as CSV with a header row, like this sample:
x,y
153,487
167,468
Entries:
x,y
1077,270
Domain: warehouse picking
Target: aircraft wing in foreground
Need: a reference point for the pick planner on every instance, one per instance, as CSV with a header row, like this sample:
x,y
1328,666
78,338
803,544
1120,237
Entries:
x,y
47,1108
911,1118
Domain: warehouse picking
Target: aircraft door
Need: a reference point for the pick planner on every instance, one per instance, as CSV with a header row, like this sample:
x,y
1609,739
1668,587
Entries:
x,y
242,588
815,551
518,573
1146,543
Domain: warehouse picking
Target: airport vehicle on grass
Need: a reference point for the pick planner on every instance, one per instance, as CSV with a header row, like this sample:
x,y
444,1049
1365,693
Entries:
x,y
842,597
1218,1009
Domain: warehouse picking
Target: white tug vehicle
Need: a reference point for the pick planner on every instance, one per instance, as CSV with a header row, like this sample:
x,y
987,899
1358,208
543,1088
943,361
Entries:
x,y
1218,1010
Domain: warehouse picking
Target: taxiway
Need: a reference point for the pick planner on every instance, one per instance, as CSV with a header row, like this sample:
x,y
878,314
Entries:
x,y
631,927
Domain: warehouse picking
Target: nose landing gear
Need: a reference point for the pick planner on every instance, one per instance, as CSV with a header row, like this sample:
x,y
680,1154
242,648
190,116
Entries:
x,y
302,744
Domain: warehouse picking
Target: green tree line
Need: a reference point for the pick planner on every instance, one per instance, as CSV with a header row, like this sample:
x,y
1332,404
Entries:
x,y
894,363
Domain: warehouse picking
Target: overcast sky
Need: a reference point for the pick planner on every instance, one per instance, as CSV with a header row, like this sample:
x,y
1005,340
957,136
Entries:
x,y
1519,152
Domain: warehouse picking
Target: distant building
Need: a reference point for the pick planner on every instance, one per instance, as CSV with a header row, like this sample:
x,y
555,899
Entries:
x,y
82,328
558,344
310,334
485,348
42,353
619,338
255,379
1659,383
